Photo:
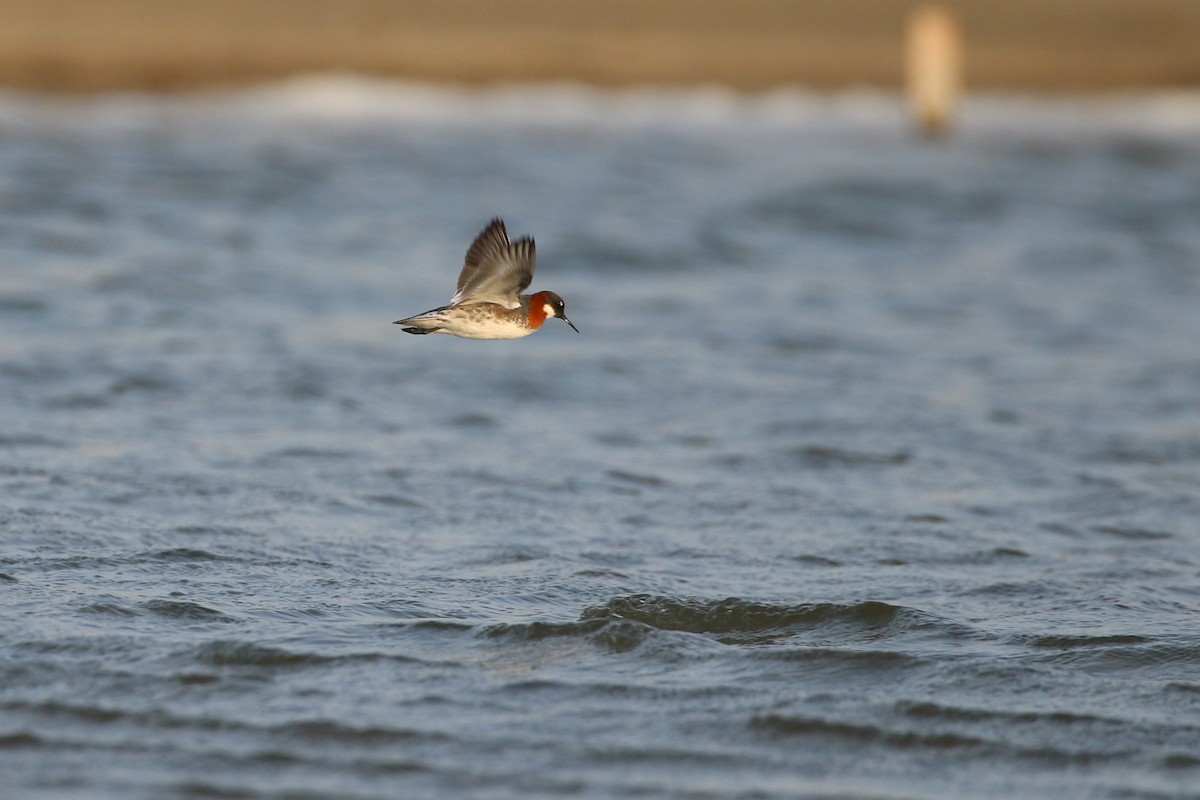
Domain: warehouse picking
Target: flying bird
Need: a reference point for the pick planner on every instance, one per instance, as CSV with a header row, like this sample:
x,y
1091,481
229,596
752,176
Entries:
x,y
488,303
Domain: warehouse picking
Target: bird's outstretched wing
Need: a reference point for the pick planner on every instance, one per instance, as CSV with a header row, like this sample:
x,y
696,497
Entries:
x,y
496,270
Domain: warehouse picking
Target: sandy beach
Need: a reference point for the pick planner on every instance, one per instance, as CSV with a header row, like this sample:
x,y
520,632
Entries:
x,y
1027,45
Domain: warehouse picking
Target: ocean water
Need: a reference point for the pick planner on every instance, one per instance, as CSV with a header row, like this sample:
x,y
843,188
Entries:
x,y
874,471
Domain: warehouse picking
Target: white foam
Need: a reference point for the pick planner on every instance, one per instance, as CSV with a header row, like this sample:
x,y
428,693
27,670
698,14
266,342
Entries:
x,y
338,98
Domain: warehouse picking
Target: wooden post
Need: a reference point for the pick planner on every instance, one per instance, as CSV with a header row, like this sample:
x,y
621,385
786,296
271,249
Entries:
x,y
933,56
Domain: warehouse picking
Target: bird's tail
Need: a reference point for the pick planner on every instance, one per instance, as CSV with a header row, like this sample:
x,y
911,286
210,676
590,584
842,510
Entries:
x,y
429,322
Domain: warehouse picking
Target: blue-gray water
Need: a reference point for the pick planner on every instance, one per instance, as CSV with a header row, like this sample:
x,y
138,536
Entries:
x,y
874,473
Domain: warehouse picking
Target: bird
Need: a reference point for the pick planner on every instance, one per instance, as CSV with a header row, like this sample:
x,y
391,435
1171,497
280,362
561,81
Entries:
x,y
488,303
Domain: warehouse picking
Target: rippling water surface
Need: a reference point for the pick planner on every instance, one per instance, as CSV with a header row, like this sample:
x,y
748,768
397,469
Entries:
x,y
875,471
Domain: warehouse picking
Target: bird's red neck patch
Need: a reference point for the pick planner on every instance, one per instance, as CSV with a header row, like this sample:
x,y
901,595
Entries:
x,y
537,310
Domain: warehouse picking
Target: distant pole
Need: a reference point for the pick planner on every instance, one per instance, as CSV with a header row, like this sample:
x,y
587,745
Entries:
x,y
933,65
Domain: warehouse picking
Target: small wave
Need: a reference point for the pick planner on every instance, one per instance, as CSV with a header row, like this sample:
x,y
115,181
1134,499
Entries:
x,y
181,554
195,678
141,382
474,420
79,401
929,710
1181,761
76,563
431,625
1058,642
614,636
1142,451
230,653
789,725
1020,589
619,438
1052,733
841,659
537,631
18,739
25,304
1184,687
1131,532
184,610
394,501
810,343
625,623
736,621
906,738
245,654
810,560
109,609
327,730
28,440
1004,553
313,729
622,636
211,530
637,479
826,457
76,711
315,453
1120,653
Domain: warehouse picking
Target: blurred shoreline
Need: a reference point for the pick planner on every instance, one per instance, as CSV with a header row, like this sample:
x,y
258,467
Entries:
x,y
1023,45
